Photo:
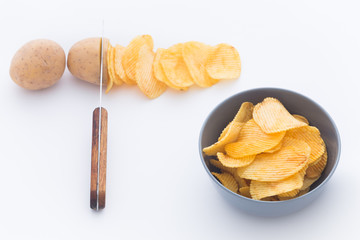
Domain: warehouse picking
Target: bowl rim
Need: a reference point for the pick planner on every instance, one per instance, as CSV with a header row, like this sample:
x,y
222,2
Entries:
x,y
337,134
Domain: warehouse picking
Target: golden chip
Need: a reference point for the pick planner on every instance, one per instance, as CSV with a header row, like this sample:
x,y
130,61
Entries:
x,y
245,191
159,71
223,62
195,55
223,168
144,76
174,67
131,55
119,69
233,171
290,194
260,190
299,144
308,182
314,170
245,112
242,116
301,118
274,149
227,180
110,61
272,116
235,162
275,166
252,140
230,136
311,135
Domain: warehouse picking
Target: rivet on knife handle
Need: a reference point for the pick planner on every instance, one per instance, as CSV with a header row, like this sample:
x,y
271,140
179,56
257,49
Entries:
x,y
98,159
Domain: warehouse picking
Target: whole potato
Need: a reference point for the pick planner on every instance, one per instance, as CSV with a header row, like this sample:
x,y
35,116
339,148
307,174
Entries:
x,y
84,60
38,64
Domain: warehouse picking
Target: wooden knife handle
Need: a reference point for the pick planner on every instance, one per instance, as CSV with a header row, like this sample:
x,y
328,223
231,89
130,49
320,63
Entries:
x,y
98,161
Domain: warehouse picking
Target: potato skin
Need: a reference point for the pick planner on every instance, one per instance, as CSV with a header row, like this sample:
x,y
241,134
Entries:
x,y
84,60
38,64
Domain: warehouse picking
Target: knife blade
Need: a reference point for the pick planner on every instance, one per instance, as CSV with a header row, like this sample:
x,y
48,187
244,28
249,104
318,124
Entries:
x,y
99,144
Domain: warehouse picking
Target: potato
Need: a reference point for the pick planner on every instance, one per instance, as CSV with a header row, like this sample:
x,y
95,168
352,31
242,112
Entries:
x,y
84,60
38,64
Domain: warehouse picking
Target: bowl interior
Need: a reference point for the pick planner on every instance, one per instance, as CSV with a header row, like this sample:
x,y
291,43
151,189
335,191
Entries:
x,y
295,103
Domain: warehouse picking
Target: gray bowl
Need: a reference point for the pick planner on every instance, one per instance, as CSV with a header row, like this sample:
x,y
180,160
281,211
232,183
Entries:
x,y
295,103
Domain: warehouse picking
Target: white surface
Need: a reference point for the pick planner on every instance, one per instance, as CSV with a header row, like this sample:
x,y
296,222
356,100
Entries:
x,y
156,185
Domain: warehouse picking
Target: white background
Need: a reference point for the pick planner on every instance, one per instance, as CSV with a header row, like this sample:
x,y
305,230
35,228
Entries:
x,y
157,187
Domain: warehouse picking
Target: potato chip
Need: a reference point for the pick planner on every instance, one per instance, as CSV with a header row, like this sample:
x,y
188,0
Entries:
x,y
116,79
302,192
301,118
227,180
223,62
245,112
311,135
223,168
174,67
131,55
274,149
275,166
195,55
315,170
235,162
144,76
230,136
272,116
119,69
260,190
242,116
245,191
159,71
252,140
308,182
110,61
290,194
233,171
299,144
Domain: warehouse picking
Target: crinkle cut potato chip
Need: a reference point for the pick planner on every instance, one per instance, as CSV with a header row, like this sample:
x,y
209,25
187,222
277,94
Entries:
x,y
301,118
242,116
230,136
308,182
235,162
110,62
252,140
175,68
223,168
311,135
223,62
233,171
144,75
195,55
119,69
274,149
260,190
315,170
159,71
245,112
227,180
275,166
289,194
245,191
299,144
272,116
131,54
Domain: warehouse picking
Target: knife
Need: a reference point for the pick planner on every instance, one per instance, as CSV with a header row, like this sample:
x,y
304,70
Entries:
x,y
99,145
